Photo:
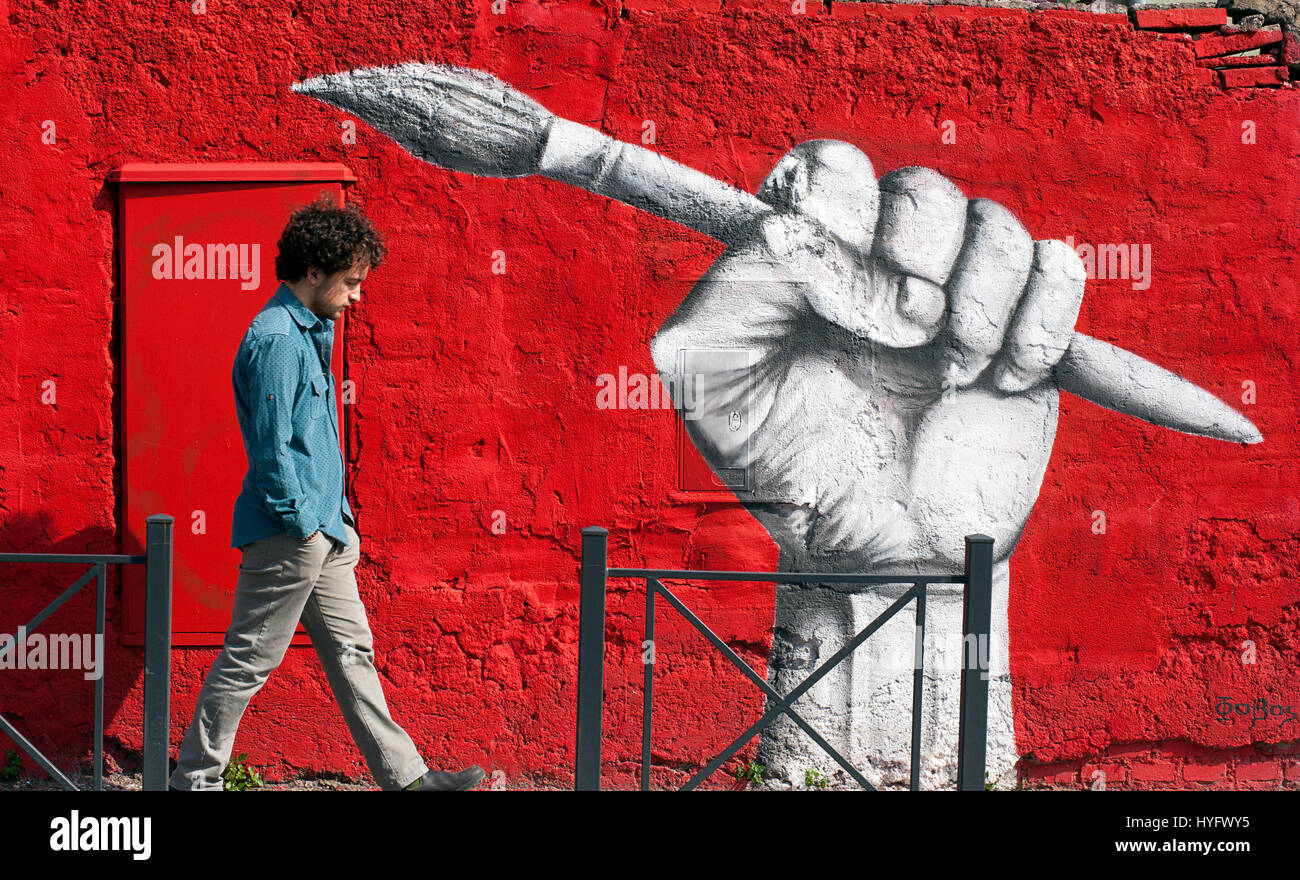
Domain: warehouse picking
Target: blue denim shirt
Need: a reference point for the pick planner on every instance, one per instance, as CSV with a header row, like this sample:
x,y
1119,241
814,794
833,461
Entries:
x,y
284,398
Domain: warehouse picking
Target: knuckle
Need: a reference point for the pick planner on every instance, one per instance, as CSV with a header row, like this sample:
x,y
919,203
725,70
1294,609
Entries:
x,y
1057,259
922,303
830,180
921,224
992,215
990,275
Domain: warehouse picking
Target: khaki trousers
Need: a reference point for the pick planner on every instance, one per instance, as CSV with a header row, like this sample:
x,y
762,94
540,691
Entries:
x,y
283,580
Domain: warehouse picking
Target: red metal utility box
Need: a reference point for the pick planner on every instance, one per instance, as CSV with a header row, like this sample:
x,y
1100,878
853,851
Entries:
x,y
184,311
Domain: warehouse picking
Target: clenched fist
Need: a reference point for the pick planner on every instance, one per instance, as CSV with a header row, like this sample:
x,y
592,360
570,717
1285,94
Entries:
x,y
898,392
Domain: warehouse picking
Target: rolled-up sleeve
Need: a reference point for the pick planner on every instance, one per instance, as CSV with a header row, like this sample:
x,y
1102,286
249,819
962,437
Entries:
x,y
274,375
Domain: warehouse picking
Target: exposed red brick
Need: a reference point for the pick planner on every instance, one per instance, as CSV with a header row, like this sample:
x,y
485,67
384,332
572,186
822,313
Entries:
x,y
976,12
1207,76
1259,771
1253,76
1225,784
1037,772
1090,17
781,7
668,5
888,11
1204,772
1291,49
1178,749
1114,773
1134,750
1260,60
1154,773
1182,19
1207,47
845,10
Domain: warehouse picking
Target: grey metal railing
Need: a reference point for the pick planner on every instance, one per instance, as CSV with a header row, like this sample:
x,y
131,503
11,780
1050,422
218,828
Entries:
x,y
977,577
157,560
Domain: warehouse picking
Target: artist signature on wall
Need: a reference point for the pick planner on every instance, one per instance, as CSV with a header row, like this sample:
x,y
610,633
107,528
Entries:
x,y
1259,709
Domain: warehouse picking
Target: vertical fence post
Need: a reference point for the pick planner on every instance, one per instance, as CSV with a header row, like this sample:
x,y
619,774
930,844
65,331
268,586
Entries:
x,y
101,598
157,650
976,619
591,658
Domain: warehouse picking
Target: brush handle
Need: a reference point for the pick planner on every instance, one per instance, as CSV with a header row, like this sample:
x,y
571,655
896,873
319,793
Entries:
x,y
1121,381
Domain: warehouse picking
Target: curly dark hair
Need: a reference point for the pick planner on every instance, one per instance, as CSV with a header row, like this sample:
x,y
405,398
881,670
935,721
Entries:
x,y
326,236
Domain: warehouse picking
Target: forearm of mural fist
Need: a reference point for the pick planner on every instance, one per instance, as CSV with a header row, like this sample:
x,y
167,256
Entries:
x,y
586,158
272,384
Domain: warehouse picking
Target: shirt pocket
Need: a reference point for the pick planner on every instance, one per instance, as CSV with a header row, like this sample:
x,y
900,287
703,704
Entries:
x,y
319,387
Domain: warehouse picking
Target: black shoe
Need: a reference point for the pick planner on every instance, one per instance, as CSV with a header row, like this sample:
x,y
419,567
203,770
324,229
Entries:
x,y
440,780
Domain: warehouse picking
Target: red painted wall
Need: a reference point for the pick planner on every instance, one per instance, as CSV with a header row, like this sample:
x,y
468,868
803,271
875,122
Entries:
x,y
477,390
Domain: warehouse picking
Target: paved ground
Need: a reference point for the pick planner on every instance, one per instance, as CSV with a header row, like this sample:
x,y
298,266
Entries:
x,y
131,782
120,781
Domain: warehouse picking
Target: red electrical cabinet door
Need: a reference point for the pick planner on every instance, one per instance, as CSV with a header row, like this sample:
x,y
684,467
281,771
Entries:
x,y
184,454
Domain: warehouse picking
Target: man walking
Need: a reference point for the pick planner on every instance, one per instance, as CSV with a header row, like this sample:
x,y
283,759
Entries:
x,y
292,520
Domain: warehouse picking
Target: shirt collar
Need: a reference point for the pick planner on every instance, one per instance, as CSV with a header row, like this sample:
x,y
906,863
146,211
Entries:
x,y
305,317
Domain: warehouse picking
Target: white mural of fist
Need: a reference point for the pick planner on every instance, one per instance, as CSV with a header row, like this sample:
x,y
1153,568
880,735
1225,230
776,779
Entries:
x,y
897,397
